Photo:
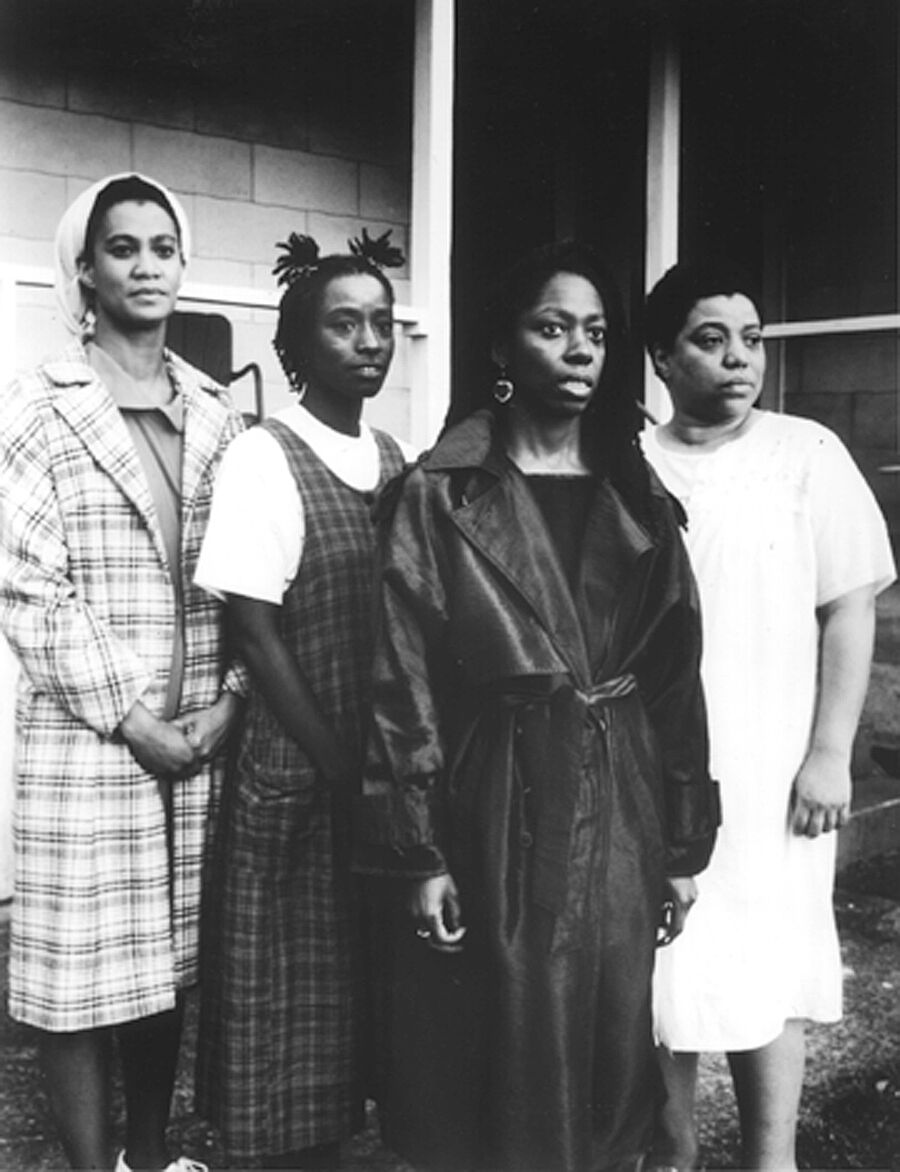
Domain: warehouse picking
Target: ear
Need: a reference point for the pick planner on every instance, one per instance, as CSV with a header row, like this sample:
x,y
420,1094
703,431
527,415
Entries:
x,y
86,274
660,359
500,354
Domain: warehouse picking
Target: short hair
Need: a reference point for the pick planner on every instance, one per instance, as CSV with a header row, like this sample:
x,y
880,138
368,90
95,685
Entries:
x,y
675,294
130,189
300,304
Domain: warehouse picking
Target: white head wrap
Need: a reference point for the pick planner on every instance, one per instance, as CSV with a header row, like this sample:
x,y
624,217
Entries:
x,y
69,245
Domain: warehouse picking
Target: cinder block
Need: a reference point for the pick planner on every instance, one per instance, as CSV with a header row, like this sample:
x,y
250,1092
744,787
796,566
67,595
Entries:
x,y
29,78
230,230
253,118
384,193
31,205
34,138
194,162
332,233
19,251
215,271
298,179
161,101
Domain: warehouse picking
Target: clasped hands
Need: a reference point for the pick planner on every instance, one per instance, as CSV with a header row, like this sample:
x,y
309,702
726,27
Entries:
x,y
179,748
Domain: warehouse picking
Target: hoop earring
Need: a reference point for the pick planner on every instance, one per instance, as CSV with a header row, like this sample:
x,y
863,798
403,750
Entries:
x,y
503,387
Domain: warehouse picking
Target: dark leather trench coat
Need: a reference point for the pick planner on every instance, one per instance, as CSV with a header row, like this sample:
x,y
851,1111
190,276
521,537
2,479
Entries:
x,y
558,778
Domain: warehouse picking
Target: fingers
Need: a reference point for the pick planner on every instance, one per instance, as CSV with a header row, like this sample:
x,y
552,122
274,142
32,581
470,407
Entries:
x,y
437,914
811,821
681,897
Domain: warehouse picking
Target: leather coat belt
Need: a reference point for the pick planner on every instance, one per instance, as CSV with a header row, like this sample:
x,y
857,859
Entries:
x,y
552,757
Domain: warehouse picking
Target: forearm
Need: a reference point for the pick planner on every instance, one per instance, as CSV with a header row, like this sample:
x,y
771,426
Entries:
x,y
845,655
278,678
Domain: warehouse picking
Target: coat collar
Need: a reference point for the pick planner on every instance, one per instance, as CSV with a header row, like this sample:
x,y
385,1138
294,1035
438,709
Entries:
x,y
80,398
500,510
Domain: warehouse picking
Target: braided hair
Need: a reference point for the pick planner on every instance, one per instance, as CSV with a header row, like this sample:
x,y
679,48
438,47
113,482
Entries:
x,y
306,275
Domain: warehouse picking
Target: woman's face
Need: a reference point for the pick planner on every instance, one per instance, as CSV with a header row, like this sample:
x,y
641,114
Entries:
x,y
558,348
136,267
714,371
352,340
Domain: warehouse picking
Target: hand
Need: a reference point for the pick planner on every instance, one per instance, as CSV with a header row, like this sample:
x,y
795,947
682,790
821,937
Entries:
x,y
680,898
820,800
158,745
434,906
207,729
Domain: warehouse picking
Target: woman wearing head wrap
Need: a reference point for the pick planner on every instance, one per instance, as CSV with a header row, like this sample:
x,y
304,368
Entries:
x,y
107,455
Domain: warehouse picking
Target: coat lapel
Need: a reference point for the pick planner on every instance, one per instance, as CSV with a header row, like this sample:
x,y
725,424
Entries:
x,y
88,408
495,523
204,418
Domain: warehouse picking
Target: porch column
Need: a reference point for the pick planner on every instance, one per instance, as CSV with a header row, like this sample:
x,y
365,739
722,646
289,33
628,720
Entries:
x,y
663,176
431,227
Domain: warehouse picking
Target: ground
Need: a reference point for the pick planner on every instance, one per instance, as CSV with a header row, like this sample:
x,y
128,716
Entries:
x,y
851,1106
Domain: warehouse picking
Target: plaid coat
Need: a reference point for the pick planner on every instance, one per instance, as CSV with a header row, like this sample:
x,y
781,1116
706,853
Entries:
x,y
105,916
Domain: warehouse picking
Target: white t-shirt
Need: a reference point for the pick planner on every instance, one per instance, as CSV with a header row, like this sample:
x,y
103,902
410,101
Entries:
x,y
254,540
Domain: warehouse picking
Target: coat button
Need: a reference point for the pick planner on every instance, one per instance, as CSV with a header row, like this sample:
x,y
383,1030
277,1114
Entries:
x,y
526,840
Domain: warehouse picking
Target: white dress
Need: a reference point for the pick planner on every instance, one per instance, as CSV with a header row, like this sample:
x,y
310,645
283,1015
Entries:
x,y
780,521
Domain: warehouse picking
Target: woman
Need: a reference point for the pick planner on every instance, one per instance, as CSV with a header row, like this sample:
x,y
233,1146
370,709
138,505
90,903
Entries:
x,y
789,550
107,456
538,764
290,547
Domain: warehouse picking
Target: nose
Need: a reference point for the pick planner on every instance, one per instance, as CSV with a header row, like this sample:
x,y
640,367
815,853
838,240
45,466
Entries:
x,y
579,349
368,339
736,353
146,261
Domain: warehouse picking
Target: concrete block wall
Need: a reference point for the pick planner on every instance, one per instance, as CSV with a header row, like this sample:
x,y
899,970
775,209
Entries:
x,y
60,130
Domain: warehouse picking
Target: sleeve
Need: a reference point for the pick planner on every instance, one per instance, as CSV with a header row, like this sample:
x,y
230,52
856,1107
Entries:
x,y
64,649
851,540
673,693
398,820
254,539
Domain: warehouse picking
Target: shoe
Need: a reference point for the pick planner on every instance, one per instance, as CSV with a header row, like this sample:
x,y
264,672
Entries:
x,y
182,1164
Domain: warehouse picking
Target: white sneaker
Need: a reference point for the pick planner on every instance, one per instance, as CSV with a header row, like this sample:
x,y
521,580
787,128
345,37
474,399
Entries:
x,y
182,1164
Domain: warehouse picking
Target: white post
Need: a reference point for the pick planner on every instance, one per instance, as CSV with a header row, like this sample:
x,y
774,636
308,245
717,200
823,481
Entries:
x,y
663,174
432,207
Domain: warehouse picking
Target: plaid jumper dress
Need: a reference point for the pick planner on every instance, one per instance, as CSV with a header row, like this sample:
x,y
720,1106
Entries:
x,y
281,1050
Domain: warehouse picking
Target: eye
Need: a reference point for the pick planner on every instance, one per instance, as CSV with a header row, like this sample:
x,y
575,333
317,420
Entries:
x,y
385,328
753,341
597,335
550,329
709,340
343,326
119,251
165,251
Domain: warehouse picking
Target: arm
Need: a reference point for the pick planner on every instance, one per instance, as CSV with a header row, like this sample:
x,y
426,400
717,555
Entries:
x,y
670,682
820,800
399,816
284,686
66,651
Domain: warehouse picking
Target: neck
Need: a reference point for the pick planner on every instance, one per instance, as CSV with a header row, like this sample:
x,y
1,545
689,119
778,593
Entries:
x,y
687,432
544,446
335,411
139,355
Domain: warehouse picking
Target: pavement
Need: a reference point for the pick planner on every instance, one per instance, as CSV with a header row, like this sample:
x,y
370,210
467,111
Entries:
x,y
850,1114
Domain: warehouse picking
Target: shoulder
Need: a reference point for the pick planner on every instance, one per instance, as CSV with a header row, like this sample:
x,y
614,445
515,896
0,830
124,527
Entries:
x,y
32,393
793,431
